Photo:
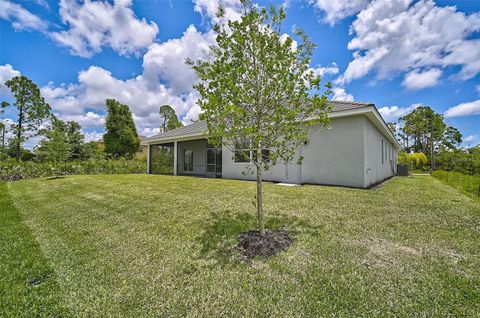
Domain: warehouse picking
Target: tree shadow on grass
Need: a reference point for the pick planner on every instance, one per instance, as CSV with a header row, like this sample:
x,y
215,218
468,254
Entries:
x,y
55,178
220,232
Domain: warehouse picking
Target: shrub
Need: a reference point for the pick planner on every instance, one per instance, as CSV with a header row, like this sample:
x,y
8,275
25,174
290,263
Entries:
x,y
11,170
464,183
418,160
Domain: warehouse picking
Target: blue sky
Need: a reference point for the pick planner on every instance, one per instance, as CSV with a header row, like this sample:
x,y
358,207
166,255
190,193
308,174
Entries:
x,y
396,54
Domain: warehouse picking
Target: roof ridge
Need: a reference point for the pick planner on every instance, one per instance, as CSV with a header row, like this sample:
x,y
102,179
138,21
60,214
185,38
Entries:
x,y
350,102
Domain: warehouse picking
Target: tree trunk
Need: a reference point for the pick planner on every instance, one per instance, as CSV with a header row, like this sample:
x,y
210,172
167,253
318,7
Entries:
x,y
3,138
19,132
261,223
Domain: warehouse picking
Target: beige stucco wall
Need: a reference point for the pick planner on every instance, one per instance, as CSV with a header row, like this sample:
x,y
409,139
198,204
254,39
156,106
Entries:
x,y
349,153
377,169
333,156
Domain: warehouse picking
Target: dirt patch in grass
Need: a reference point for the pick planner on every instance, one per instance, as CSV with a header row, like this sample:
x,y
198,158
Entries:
x,y
251,244
382,253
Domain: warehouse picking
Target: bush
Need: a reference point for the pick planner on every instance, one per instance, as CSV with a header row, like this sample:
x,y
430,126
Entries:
x,y
10,170
466,161
417,160
464,183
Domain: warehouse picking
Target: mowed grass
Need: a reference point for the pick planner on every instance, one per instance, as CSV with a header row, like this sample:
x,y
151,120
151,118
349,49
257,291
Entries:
x,y
160,246
27,283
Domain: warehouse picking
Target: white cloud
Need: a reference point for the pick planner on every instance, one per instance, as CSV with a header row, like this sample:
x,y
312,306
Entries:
x,y
165,79
88,120
96,84
93,136
470,138
339,93
336,10
415,80
42,3
21,18
394,36
392,113
6,72
362,65
208,9
97,24
464,109
167,60
324,70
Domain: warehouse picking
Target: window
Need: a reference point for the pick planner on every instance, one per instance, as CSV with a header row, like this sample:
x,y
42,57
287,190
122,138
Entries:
x,y
265,155
383,158
386,146
242,153
188,160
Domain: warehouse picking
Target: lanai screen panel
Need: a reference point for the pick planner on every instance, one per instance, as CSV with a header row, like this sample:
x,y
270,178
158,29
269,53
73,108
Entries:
x,y
161,158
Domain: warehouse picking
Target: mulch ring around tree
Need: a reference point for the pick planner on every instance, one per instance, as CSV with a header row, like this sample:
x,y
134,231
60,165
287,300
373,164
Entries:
x,y
251,244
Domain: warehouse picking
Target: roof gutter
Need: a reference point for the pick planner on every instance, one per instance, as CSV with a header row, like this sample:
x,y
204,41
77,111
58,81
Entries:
x,y
178,138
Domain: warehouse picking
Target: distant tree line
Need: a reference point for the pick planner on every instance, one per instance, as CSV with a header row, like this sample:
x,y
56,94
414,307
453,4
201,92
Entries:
x,y
63,141
425,136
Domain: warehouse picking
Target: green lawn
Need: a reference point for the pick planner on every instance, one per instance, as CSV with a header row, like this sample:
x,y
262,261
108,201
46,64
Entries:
x,y
28,286
150,246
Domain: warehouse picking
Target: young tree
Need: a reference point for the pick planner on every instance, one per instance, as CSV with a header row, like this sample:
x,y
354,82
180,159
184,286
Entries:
x,y
258,92
74,138
92,150
55,147
121,138
169,118
32,109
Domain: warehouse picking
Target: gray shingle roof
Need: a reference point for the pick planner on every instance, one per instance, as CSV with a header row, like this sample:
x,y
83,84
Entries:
x,y
192,129
201,127
338,105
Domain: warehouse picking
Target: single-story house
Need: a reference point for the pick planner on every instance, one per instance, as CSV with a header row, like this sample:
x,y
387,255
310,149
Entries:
x,y
358,150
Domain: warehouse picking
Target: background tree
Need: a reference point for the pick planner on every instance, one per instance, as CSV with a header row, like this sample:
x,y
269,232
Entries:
x,y
3,128
393,127
25,154
32,110
74,138
55,147
452,138
2,139
169,118
422,124
92,150
258,93
121,138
